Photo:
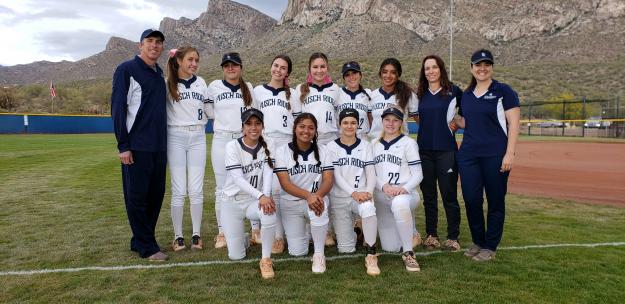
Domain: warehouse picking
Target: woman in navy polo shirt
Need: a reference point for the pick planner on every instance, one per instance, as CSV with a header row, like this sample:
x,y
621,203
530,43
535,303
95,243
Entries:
x,y
491,116
438,100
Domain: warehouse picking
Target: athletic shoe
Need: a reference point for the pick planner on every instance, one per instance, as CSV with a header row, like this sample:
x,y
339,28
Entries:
x,y
410,262
473,251
330,240
178,244
484,255
278,246
416,240
371,263
266,268
196,243
431,242
158,257
255,239
220,241
318,263
451,245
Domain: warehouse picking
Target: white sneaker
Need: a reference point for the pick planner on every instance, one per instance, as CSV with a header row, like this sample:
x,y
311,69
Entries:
x,y
318,263
371,264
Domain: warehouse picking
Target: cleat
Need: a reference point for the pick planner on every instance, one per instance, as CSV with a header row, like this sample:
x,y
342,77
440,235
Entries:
x,y
451,245
431,242
178,244
371,264
318,263
158,257
484,255
473,251
255,239
196,243
416,240
410,262
278,246
220,241
266,268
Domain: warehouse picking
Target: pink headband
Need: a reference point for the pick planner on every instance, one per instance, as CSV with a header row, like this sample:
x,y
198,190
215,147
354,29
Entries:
x,y
172,53
327,79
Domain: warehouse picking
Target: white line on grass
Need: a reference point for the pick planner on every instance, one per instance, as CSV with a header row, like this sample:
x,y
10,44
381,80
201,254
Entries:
x,y
255,260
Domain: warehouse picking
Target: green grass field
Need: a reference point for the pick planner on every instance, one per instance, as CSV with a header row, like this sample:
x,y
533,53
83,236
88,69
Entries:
x,y
61,206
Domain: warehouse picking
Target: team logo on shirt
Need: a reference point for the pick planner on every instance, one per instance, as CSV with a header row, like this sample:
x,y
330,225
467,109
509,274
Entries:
x,y
306,168
490,96
315,98
387,158
350,161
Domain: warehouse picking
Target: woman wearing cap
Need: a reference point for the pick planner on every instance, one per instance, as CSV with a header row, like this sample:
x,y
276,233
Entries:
x,y
398,173
274,100
393,92
352,193
227,98
247,191
438,100
186,141
490,118
354,96
319,96
305,174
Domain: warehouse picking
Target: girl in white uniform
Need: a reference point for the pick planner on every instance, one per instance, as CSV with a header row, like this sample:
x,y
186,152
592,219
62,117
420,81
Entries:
x,y
393,91
227,98
186,141
319,96
274,100
352,194
305,174
398,172
247,191
354,96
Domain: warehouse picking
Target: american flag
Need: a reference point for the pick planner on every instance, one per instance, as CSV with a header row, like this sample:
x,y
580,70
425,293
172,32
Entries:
x,y
52,90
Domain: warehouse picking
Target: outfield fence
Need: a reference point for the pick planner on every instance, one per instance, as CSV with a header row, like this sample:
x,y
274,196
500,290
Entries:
x,y
577,118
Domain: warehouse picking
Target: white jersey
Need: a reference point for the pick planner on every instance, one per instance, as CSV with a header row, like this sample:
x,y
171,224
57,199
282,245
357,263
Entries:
x,y
307,174
321,102
278,118
380,100
250,160
349,164
392,160
191,108
227,105
358,101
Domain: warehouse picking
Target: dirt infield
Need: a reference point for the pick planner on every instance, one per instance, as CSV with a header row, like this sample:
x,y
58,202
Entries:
x,y
584,172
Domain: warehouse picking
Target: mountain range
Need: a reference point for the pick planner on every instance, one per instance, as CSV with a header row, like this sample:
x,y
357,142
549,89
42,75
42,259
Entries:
x,y
518,32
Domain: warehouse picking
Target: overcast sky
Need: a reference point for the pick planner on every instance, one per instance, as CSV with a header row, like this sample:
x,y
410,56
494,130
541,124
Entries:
x,y
53,30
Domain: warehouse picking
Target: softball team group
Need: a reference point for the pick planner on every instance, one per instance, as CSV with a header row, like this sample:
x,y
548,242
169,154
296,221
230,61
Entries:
x,y
334,164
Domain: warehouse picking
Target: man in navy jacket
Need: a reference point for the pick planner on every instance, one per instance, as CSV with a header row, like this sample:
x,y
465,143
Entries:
x,y
140,123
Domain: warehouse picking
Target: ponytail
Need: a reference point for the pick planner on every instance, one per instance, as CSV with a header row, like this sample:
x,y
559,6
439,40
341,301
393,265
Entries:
x,y
315,147
263,143
403,93
245,91
363,90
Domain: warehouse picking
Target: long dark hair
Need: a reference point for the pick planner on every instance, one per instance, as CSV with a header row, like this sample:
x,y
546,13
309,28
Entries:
x,y
285,81
402,90
245,90
172,69
305,87
315,147
423,81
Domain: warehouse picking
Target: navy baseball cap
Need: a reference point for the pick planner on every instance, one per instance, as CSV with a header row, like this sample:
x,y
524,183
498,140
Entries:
x,y
152,33
393,111
348,113
231,57
482,55
247,114
350,66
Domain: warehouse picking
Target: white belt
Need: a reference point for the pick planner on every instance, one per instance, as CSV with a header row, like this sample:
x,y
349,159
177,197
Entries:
x,y
187,128
225,134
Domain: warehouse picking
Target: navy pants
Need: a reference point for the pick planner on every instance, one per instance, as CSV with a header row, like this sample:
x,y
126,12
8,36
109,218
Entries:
x,y
440,166
479,174
144,188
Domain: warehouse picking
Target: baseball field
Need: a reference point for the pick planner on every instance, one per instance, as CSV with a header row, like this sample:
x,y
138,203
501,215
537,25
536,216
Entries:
x,y
64,238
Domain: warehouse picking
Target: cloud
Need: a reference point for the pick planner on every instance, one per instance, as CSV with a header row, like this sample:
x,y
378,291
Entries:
x,y
74,44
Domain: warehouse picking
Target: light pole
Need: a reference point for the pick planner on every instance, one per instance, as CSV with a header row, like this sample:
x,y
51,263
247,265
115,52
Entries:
x,y
451,37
